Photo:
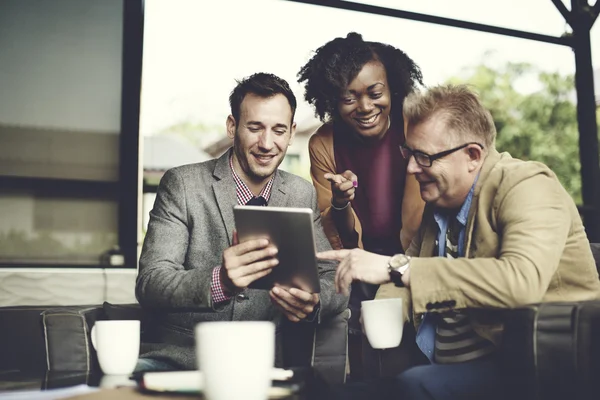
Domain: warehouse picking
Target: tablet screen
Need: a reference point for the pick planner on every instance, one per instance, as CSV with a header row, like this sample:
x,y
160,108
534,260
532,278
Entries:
x,y
291,231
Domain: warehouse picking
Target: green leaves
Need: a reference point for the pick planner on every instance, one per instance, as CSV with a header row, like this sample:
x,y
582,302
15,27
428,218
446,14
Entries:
x,y
535,116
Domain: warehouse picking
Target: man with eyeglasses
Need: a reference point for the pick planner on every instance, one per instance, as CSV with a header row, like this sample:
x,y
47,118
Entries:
x,y
496,233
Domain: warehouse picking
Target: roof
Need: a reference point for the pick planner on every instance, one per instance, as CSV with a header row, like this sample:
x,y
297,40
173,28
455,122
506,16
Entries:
x,y
162,152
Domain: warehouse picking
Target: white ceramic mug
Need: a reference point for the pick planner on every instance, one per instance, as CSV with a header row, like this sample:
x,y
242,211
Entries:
x,y
117,345
236,358
383,322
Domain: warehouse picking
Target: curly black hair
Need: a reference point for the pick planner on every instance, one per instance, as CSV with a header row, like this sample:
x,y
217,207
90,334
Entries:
x,y
336,63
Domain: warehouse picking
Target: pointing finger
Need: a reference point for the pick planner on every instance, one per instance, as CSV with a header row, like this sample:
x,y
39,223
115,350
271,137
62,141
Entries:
x,y
337,255
350,176
334,178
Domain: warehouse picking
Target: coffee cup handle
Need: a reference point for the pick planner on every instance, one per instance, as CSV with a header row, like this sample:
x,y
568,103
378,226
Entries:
x,y
93,336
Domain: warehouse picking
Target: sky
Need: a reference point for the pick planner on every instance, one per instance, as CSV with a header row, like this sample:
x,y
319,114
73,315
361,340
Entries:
x,y
193,52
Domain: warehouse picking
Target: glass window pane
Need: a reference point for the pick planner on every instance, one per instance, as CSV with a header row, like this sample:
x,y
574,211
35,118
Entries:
x,y
148,203
178,102
52,153
60,121
40,229
60,80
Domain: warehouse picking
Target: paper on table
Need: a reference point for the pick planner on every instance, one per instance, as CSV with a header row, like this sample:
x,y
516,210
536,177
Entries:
x,y
49,394
168,381
191,381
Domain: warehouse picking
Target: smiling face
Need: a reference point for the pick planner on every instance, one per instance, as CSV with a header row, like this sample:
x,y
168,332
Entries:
x,y
447,182
365,104
261,137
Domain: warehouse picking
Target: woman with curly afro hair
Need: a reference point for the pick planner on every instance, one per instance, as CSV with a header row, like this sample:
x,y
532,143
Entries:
x,y
365,197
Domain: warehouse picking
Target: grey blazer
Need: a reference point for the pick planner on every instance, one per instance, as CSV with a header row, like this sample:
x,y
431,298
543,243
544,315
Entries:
x,y
191,224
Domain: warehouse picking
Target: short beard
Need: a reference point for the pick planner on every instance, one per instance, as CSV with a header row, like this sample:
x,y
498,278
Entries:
x,y
245,164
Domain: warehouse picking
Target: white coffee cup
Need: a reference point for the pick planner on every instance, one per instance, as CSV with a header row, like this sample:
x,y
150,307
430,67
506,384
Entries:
x,y
383,322
117,345
236,358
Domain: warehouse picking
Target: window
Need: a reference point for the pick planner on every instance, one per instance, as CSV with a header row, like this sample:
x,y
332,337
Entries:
x,y
40,229
187,79
61,176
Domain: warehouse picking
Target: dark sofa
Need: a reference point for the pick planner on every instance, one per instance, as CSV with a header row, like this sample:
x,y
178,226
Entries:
x,y
40,339
57,339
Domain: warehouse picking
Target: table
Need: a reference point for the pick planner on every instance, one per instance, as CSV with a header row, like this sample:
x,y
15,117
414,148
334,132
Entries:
x,y
40,385
129,393
45,380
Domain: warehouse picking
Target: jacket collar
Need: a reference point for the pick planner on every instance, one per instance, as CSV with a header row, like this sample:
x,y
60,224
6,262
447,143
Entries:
x,y
224,190
488,165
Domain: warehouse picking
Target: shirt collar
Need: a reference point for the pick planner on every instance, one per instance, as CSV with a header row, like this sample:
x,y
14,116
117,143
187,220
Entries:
x,y
463,213
244,194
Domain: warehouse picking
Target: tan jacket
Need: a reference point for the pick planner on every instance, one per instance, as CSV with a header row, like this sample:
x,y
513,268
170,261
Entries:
x,y
322,161
525,243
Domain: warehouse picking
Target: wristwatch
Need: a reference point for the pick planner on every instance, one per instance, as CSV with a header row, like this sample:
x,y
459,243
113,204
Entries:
x,y
397,265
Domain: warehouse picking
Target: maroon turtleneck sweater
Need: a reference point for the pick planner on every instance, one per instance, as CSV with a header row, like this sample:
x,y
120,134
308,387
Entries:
x,y
381,172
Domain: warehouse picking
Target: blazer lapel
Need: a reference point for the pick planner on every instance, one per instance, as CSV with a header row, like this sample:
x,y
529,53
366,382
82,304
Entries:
x,y
224,189
428,247
488,166
279,196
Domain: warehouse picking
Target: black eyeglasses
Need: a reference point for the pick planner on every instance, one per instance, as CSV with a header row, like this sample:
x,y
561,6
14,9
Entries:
x,y
426,160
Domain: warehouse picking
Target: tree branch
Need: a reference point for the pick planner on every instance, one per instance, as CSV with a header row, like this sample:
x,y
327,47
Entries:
x,y
564,12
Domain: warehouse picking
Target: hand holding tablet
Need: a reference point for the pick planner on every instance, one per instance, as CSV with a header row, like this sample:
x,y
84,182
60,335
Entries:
x,y
246,262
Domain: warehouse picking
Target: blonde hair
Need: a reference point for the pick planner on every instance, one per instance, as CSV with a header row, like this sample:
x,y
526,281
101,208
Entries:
x,y
465,117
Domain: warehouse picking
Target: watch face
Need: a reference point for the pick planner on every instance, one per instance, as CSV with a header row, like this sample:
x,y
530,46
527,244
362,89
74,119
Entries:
x,y
399,260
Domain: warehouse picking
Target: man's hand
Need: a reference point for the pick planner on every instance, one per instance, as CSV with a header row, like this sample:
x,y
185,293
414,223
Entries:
x,y
343,187
246,262
296,304
359,265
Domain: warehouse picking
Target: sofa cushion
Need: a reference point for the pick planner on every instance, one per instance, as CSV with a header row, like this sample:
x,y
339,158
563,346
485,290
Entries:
x,y
22,345
67,338
123,311
133,312
330,349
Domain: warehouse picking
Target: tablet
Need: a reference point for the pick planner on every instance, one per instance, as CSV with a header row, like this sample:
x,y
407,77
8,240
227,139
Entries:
x,y
291,231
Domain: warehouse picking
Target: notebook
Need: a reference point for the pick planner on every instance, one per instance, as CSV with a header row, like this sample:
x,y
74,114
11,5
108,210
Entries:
x,y
192,381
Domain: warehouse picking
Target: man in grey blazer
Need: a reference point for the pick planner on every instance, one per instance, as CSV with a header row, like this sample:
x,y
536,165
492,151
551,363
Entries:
x,y
192,268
